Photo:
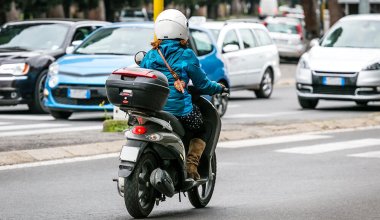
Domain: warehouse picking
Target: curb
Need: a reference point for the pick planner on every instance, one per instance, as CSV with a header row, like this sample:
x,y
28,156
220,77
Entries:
x,y
229,133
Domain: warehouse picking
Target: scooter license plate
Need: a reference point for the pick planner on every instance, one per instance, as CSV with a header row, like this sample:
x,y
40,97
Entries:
x,y
129,153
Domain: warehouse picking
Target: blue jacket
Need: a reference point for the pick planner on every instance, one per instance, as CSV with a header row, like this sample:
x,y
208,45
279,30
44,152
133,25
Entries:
x,y
185,63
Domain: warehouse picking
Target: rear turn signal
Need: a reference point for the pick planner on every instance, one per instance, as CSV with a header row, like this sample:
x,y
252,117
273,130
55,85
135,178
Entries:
x,y
139,130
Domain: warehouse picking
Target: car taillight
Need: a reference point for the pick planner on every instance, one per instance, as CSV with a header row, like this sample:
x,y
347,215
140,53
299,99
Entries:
x,y
265,23
131,73
139,130
299,31
259,10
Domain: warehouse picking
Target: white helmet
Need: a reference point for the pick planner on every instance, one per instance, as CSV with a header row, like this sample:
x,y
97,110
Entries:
x,y
171,24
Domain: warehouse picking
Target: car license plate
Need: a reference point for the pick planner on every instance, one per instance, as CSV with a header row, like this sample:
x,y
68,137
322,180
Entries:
x,y
78,93
333,81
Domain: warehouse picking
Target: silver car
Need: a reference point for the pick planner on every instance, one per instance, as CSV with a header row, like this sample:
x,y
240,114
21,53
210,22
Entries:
x,y
344,65
288,35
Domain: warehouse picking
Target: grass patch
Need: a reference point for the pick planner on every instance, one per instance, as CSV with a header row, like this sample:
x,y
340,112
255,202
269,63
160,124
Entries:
x,y
115,125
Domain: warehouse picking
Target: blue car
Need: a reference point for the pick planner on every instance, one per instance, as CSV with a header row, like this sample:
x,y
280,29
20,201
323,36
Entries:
x,y
76,82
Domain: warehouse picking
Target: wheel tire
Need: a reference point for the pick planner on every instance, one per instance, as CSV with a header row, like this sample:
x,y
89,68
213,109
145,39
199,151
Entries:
x,y
201,199
266,85
308,103
37,105
220,102
139,195
361,103
60,114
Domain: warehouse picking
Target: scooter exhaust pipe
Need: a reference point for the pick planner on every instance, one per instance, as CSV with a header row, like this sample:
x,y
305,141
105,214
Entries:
x,y
161,180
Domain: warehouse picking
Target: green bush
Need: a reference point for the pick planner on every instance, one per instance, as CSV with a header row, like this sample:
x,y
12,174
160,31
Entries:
x,y
115,125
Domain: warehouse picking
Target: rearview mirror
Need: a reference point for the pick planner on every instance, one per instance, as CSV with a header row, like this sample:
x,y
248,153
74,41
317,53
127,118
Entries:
x,y
230,48
70,49
314,42
139,56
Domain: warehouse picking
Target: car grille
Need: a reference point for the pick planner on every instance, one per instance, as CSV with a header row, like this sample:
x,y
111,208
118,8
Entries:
x,y
98,95
334,90
341,73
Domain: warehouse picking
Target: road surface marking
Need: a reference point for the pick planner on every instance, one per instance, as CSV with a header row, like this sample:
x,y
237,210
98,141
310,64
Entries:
x,y
370,154
59,161
245,115
330,147
48,131
5,123
30,126
27,117
270,140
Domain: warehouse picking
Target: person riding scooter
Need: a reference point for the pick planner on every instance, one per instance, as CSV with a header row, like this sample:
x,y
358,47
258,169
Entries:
x,y
171,56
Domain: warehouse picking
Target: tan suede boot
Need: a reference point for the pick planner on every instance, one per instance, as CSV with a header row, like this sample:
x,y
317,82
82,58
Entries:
x,y
196,149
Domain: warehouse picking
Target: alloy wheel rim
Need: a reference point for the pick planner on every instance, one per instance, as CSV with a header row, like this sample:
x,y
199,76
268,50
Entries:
x,y
41,89
267,83
144,187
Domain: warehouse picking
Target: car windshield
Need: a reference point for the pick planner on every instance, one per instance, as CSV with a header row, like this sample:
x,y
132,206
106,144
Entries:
x,y
123,41
282,28
356,34
33,36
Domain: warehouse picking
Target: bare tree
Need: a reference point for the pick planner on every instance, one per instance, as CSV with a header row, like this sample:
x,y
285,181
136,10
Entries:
x,y
336,11
311,21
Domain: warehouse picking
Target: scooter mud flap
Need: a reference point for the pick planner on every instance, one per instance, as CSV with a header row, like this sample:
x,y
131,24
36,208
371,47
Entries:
x,y
129,154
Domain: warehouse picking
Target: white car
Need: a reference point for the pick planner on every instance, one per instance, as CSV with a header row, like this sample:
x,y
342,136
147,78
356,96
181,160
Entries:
x,y
344,65
250,55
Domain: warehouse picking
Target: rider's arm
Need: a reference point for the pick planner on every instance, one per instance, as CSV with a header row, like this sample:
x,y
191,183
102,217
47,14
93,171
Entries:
x,y
198,76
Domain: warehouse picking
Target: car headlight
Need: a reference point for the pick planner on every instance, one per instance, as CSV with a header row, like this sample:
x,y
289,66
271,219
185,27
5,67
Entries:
x,y
303,64
16,69
375,66
53,75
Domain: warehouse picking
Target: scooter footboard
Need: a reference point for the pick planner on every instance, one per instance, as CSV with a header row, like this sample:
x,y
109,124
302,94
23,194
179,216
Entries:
x,y
129,154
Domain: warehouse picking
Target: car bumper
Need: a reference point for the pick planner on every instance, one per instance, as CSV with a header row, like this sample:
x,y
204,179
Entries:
x,y
58,99
290,51
10,90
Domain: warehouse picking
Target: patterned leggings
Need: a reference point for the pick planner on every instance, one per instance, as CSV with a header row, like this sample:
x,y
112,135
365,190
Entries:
x,y
193,122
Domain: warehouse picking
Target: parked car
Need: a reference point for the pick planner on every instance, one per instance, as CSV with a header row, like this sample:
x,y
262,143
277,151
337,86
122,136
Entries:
x,y
250,55
288,35
343,65
135,14
76,81
268,8
27,48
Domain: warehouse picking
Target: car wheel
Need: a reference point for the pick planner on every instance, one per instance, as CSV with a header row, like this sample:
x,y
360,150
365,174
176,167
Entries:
x,y
220,102
60,114
266,85
37,105
361,103
308,103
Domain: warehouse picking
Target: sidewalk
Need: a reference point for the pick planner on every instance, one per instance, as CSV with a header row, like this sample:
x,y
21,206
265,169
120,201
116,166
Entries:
x,y
229,133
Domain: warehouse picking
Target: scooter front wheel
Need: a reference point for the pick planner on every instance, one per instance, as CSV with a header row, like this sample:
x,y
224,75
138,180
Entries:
x,y
139,195
200,196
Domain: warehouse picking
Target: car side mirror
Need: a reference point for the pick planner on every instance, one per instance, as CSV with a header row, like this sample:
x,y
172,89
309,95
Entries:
x,y
139,56
230,48
314,42
70,49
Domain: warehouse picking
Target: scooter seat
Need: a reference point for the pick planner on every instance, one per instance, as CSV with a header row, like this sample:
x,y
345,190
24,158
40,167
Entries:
x,y
174,122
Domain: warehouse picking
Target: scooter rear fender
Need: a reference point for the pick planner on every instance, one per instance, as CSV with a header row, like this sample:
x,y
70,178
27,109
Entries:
x,y
129,155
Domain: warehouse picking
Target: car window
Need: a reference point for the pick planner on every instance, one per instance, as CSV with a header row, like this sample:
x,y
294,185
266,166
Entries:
x,y
29,37
282,28
263,37
202,42
231,38
82,32
248,38
119,41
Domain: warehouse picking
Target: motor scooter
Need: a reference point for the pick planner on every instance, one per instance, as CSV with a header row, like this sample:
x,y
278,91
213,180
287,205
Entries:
x,y
153,160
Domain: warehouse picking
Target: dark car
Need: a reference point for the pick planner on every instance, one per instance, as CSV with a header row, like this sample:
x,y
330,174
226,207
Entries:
x,y
27,48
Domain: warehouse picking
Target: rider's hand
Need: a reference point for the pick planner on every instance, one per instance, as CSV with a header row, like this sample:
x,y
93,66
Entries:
x,y
225,90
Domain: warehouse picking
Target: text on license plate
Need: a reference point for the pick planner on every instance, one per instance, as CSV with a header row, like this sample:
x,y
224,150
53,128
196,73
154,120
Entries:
x,y
78,93
333,81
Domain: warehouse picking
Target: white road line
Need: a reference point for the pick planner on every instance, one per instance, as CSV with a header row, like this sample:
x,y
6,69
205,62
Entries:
x,y
330,147
27,117
270,140
5,123
48,131
370,154
60,161
30,126
245,115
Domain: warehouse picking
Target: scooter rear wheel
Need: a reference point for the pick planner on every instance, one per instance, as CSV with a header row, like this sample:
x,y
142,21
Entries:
x,y
139,195
200,196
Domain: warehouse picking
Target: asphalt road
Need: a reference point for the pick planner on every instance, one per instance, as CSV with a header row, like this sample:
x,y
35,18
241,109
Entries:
x,y
318,176
21,130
